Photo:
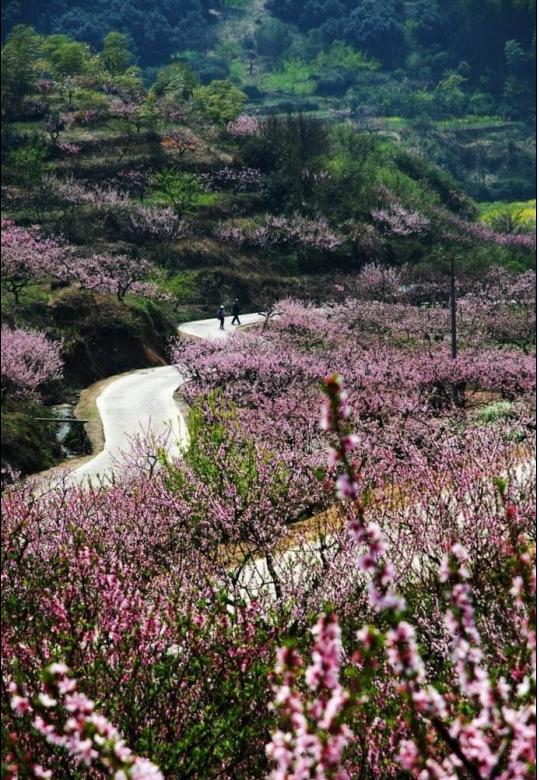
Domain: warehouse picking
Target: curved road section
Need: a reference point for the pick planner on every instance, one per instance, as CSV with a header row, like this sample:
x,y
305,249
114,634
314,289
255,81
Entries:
x,y
141,406
209,329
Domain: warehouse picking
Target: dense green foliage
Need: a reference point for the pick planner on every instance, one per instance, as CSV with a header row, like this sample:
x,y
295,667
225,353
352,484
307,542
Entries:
x,y
447,74
28,444
156,29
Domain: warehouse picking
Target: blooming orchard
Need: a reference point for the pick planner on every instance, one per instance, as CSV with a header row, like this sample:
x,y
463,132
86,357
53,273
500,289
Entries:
x,y
28,257
182,597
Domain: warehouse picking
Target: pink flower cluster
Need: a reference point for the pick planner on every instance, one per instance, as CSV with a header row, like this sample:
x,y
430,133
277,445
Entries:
x,y
244,125
28,360
71,149
315,739
67,719
498,738
126,109
161,224
298,231
76,192
397,220
45,86
480,232
379,283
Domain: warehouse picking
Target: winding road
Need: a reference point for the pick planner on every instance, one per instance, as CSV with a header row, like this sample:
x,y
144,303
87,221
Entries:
x,y
142,404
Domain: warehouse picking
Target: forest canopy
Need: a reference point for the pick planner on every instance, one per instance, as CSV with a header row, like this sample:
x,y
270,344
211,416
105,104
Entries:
x,y
283,46
156,29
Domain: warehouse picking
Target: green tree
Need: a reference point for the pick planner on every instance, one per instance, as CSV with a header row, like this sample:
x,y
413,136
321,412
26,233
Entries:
x,y
65,56
482,103
116,55
220,101
516,58
30,165
272,37
183,191
450,96
177,79
182,287
518,99
149,110
19,55
518,94
30,169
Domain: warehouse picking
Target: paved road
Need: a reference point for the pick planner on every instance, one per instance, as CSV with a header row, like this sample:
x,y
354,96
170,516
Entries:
x,y
141,404
209,329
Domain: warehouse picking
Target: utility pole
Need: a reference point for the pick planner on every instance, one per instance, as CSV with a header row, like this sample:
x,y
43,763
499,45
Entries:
x,y
453,307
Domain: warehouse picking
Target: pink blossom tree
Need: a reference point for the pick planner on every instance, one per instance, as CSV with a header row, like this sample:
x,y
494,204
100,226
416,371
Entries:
x,y
379,283
243,126
297,231
159,223
398,220
27,257
117,274
29,360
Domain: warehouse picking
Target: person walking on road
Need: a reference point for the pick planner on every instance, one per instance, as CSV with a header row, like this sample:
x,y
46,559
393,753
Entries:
x,y
236,312
221,317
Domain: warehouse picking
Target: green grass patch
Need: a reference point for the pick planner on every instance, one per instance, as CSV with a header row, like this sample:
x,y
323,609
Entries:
x,y
496,411
473,121
293,78
28,444
237,71
395,122
203,199
525,210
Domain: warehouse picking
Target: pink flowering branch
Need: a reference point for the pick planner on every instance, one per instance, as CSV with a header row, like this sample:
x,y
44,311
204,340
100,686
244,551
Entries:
x,y
497,738
67,719
397,220
468,742
315,739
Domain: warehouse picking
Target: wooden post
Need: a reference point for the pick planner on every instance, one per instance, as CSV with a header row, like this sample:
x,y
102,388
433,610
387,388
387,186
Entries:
x,y
453,306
